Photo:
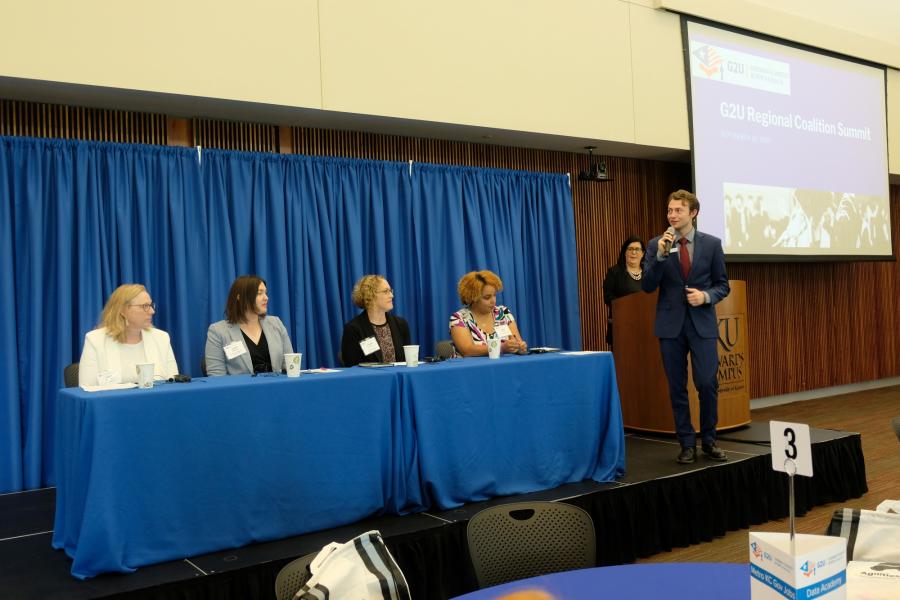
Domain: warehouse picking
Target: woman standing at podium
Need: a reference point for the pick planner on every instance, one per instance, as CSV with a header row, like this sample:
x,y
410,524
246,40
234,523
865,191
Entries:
x,y
623,278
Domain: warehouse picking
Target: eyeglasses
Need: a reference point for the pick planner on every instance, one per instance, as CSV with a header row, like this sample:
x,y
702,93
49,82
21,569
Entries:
x,y
634,249
147,307
387,291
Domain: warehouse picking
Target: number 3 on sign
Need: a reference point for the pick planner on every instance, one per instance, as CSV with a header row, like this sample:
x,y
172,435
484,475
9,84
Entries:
x,y
790,448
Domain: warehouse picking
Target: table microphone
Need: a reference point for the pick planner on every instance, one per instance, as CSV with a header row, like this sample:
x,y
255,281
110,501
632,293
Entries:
x,y
179,378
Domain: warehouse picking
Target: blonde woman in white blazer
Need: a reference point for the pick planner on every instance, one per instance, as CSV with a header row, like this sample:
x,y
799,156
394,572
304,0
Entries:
x,y
124,338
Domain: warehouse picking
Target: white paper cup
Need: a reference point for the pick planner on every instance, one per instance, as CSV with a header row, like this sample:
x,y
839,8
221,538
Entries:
x,y
493,344
292,363
412,355
145,375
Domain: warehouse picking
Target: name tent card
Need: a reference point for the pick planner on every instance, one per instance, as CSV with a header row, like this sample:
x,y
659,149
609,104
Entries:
x,y
785,565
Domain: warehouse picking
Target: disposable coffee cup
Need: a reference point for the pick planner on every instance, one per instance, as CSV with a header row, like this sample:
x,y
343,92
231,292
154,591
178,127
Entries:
x,y
412,355
145,375
292,363
493,344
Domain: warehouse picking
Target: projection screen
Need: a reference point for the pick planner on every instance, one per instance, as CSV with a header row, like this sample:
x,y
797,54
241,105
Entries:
x,y
789,149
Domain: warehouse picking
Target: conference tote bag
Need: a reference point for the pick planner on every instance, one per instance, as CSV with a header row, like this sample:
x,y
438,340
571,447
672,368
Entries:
x,y
360,569
871,535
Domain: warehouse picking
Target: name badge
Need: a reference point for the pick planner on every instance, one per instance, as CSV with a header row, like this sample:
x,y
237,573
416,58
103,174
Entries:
x,y
369,345
235,349
503,331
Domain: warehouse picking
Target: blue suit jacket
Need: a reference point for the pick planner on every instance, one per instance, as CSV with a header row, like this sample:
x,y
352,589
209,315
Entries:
x,y
707,275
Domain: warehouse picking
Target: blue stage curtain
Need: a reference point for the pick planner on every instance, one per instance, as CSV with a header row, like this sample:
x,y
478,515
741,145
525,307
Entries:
x,y
77,220
310,227
11,424
518,224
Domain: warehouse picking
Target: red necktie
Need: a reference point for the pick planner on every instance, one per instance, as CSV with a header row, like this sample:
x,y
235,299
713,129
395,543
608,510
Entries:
x,y
685,258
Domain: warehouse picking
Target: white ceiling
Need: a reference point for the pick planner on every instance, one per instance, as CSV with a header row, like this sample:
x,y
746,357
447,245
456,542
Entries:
x,y
878,19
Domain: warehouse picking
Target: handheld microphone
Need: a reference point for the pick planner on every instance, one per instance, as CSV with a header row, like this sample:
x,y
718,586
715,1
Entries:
x,y
668,245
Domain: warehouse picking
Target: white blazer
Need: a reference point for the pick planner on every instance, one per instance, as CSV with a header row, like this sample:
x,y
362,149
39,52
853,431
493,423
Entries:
x,y
103,353
222,333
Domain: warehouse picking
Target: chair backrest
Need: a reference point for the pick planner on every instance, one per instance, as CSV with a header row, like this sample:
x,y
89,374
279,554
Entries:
x,y
203,365
292,576
445,349
70,375
526,539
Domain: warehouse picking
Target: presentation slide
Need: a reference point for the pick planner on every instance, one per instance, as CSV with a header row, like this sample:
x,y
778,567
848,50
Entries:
x,y
789,149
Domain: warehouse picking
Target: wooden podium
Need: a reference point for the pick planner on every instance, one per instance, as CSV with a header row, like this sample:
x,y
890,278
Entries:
x,y
643,388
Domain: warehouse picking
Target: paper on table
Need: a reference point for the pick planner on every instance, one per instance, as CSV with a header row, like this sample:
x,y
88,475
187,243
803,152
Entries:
x,y
322,370
108,387
582,352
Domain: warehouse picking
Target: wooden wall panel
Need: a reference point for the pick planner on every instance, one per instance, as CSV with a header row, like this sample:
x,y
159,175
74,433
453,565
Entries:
x,y
229,135
811,325
74,122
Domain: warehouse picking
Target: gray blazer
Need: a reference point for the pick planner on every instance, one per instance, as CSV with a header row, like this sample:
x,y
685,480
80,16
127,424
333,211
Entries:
x,y
223,333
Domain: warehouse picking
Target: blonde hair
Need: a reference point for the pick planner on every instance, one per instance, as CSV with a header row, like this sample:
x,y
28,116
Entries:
x,y
365,289
472,284
111,318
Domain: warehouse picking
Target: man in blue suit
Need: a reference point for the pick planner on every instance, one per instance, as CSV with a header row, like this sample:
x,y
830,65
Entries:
x,y
688,267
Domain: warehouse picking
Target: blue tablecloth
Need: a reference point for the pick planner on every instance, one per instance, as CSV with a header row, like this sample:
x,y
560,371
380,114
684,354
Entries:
x,y
672,581
487,428
183,469
147,476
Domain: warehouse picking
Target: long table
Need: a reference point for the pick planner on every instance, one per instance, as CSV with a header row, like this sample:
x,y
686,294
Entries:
x,y
146,476
489,428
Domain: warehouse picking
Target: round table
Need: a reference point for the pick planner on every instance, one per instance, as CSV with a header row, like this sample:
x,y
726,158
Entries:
x,y
650,581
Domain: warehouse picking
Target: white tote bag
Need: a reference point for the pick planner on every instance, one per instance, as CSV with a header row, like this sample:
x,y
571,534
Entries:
x,y
871,535
361,569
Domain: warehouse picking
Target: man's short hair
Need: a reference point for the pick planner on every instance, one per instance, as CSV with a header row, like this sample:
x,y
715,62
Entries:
x,y
686,198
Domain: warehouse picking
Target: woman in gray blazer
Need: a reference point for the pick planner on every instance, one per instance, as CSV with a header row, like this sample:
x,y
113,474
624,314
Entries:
x,y
248,340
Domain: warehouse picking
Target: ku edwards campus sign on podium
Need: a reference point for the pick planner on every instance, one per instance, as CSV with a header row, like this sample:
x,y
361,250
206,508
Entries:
x,y
816,568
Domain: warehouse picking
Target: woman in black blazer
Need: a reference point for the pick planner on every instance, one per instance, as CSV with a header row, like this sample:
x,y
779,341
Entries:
x,y
623,278
374,335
